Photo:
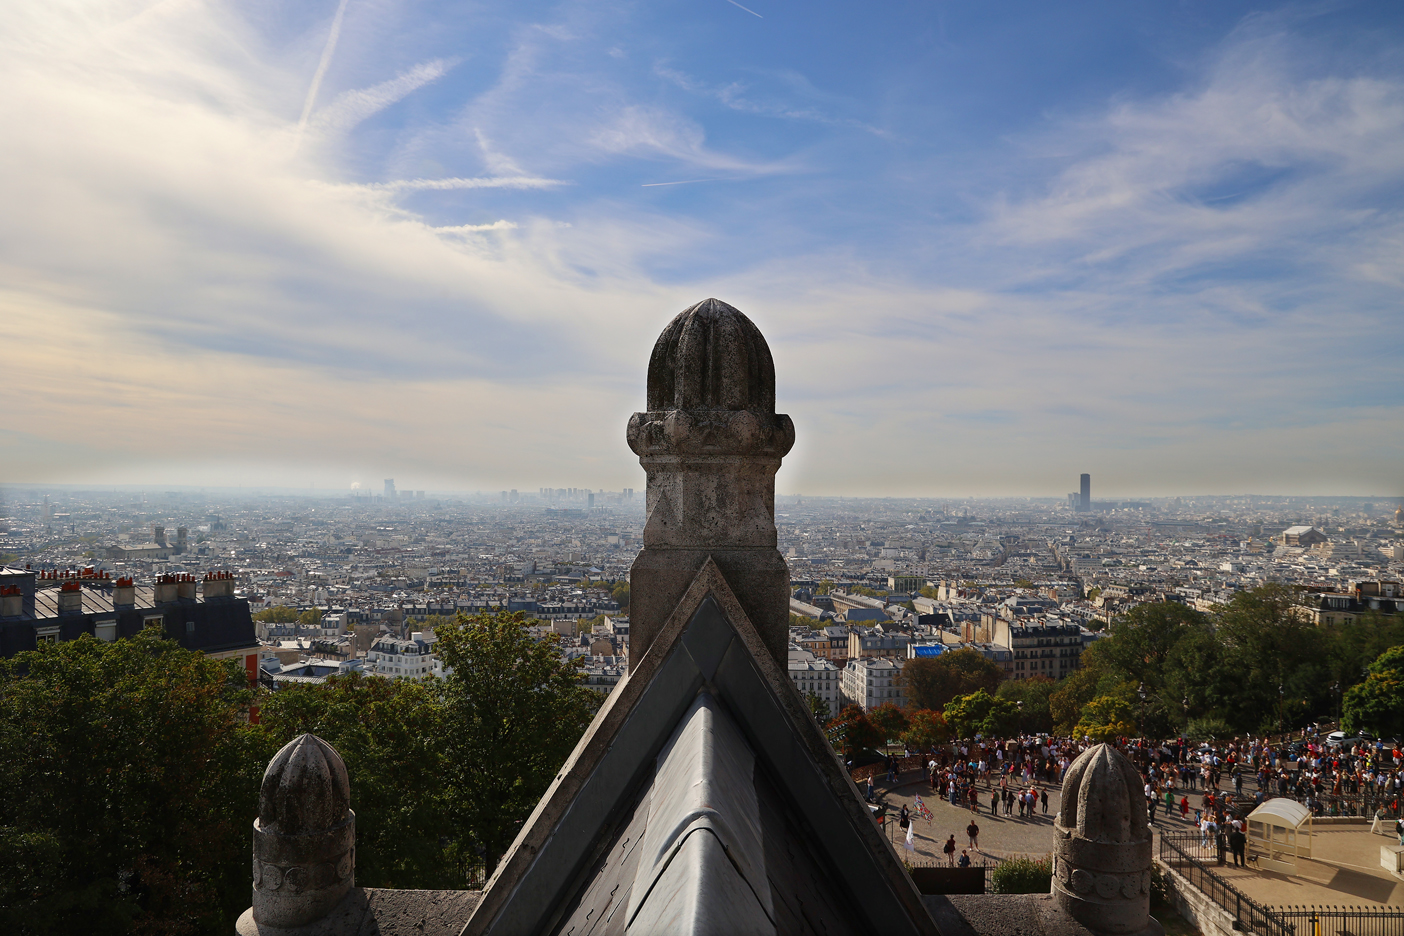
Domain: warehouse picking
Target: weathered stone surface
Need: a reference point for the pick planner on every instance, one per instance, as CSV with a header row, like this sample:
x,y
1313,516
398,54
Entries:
x,y
711,443
1102,851
373,911
304,848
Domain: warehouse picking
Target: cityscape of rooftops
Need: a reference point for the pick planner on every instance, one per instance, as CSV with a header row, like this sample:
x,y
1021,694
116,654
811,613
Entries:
x,y
330,346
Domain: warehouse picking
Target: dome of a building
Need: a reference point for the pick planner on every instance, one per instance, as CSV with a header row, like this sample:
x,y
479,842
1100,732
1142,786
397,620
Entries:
x,y
711,357
305,788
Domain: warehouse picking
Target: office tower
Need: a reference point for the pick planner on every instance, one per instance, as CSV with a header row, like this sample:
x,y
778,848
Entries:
x,y
389,488
1085,501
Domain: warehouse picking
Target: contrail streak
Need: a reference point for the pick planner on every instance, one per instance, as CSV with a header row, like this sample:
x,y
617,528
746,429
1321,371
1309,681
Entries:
x,y
683,182
747,9
321,71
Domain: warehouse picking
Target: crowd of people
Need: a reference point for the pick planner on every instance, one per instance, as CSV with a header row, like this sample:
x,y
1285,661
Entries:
x,y
1201,785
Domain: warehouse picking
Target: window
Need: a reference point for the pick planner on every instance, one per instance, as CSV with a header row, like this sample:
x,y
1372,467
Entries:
x,y
106,631
154,620
190,627
47,635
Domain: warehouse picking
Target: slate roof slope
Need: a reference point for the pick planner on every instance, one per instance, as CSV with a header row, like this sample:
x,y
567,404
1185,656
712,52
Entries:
x,y
703,799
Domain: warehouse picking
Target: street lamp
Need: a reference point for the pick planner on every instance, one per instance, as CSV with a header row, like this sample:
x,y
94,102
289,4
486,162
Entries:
x,y
1337,690
1141,725
1281,709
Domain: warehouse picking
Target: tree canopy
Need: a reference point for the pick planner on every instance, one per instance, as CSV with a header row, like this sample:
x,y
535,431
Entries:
x,y
931,682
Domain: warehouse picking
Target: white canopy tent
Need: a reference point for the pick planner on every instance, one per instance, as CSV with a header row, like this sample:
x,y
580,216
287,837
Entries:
x,y
1279,832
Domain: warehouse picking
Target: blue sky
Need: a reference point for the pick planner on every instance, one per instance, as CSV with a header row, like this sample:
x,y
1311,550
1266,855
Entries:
x,y
991,245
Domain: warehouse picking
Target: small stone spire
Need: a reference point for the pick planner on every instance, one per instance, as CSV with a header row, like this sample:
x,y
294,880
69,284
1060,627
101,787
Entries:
x,y
304,854
711,443
1102,852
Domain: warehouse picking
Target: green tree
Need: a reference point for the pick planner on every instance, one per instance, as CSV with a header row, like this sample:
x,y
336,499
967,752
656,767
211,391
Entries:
x,y
851,732
312,617
1106,718
1377,703
620,594
824,587
513,710
130,787
928,591
981,713
1031,696
818,708
1278,658
278,614
388,732
1066,702
889,720
931,682
925,730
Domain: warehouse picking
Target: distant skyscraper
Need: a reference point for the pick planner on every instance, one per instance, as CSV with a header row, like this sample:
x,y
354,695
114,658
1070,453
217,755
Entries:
x,y
389,488
1084,501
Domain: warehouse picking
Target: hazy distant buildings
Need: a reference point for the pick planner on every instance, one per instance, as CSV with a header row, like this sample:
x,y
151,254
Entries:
x,y
390,489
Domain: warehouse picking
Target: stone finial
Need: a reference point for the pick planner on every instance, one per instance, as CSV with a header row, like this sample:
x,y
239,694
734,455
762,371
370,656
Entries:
x,y
711,443
1102,850
304,855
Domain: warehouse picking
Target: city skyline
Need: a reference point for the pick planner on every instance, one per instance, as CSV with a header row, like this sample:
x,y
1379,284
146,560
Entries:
x,y
274,247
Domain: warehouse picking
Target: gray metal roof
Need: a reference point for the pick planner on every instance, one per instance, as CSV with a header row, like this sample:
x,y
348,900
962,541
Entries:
x,y
703,799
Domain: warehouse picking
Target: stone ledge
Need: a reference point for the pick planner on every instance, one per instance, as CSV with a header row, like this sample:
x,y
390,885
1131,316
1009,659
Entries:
x,y
379,911
1001,915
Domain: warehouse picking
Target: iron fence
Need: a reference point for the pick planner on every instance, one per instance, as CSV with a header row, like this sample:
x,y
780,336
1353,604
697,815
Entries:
x,y
1248,914
1343,921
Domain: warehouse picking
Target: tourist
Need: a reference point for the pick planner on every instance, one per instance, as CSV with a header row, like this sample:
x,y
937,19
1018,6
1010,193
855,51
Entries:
x,y
1237,841
950,849
972,832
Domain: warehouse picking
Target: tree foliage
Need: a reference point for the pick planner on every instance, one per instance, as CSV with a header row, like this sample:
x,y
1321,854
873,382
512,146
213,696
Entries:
x,y
981,713
925,729
889,720
513,710
278,614
1032,698
850,732
1377,704
931,682
130,787
1106,718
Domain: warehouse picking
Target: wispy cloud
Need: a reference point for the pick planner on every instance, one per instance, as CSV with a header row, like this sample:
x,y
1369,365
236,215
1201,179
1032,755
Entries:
x,y
476,228
327,52
445,185
351,107
655,132
734,95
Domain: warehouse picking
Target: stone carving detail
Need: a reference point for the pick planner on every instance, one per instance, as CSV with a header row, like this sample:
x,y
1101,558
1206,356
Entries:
x,y
1102,856
296,878
304,858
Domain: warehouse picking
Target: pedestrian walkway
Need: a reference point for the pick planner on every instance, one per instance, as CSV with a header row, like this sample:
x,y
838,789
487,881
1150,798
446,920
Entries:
x,y
1000,836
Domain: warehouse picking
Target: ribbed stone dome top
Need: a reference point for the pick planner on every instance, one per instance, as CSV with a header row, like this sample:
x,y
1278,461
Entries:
x,y
305,788
1104,797
711,357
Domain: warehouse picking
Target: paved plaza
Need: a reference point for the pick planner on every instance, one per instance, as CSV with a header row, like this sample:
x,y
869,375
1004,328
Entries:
x,y
1344,868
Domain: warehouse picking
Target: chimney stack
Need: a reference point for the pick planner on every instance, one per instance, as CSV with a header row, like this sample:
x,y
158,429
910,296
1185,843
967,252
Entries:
x,y
219,585
167,589
11,601
123,593
70,598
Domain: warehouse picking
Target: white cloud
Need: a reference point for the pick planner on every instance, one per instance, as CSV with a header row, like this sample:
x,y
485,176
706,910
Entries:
x,y
351,107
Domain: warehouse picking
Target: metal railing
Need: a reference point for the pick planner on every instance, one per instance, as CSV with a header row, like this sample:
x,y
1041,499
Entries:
x,y
1248,914
1342,921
